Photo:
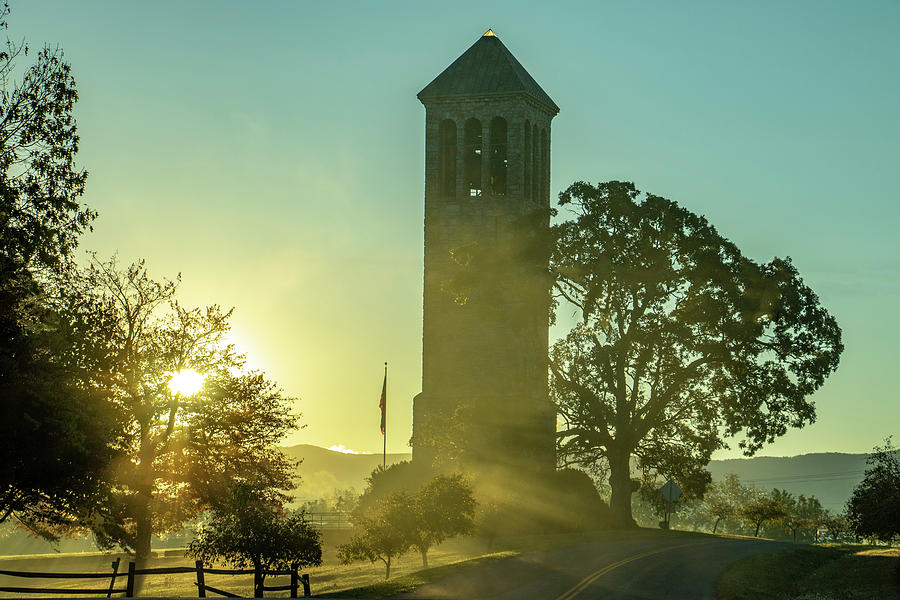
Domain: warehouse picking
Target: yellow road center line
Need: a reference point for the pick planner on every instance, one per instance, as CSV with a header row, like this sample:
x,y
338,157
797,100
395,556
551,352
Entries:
x,y
584,583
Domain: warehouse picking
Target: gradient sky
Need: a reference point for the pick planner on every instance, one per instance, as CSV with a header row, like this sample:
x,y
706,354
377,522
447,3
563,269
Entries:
x,y
272,153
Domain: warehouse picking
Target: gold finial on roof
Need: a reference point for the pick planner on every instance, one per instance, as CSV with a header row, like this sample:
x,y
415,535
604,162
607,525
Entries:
x,y
489,33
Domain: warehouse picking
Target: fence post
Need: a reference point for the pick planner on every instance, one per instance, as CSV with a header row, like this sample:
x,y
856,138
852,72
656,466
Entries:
x,y
129,589
201,580
112,581
294,581
305,579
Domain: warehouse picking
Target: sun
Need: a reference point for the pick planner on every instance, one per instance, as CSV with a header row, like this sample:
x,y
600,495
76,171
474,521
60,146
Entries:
x,y
186,382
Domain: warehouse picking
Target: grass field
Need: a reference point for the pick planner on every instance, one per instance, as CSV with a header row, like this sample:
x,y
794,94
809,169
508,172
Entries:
x,y
815,572
360,579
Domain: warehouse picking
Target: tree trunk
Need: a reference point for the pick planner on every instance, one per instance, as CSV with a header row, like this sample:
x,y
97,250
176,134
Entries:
x,y
387,568
258,579
758,525
144,528
716,526
620,482
424,558
143,516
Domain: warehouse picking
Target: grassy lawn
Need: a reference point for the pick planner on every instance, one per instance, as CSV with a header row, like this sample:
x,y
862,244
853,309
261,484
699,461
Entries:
x,y
360,579
815,572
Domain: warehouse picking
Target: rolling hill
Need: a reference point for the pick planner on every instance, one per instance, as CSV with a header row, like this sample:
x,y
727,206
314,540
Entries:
x,y
323,471
828,476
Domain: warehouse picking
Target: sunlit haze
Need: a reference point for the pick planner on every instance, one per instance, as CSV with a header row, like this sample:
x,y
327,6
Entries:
x,y
186,382
273,155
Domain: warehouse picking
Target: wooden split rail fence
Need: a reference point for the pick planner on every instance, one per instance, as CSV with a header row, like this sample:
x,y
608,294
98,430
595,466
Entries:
x,y
297,580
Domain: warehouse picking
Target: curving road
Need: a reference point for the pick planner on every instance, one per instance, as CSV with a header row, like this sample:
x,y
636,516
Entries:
x,y
676,568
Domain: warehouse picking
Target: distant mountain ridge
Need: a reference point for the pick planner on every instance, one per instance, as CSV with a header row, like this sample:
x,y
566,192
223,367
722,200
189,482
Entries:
x,y
829,476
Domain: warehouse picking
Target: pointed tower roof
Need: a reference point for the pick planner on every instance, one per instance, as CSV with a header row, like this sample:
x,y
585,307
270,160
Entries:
x,y
487,67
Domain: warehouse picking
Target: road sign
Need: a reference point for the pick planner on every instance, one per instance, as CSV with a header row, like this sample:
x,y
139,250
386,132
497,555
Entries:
x,y
670,491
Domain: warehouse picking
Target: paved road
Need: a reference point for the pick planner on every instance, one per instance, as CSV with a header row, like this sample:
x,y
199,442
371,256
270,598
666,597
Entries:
x,y
672,569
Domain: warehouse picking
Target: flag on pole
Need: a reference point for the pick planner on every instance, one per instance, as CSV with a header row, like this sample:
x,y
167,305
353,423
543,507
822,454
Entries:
x,y
383,404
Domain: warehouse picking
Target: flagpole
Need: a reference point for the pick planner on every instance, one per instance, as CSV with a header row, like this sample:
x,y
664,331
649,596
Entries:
x,y
384,450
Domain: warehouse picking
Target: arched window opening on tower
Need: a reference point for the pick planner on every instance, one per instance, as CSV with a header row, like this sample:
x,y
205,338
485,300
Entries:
x,y
447,159
499,164
527,190
473,156
545,166
536,165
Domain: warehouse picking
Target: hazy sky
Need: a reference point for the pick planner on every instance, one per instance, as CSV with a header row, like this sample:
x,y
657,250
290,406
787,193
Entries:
x,y
272,152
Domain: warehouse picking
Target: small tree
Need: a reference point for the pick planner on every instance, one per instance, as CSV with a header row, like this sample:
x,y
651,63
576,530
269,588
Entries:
x,y
763,509
837,526
445,508
250,529
874,507
393,523
723,499
718,508
388,531
803,514
792,520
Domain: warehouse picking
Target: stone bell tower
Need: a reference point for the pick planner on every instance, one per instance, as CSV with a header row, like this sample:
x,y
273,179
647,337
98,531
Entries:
x,y
486,298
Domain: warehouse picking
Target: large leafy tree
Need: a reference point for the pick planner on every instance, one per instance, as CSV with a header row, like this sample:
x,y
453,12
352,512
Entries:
x,y
57,434
682,342
180,451
874,508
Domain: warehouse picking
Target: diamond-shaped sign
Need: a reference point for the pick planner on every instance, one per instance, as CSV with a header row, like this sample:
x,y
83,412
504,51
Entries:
x,y
670,491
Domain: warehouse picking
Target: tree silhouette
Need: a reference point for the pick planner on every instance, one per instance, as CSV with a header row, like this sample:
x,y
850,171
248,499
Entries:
x,y
874,507
682,340
56,434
